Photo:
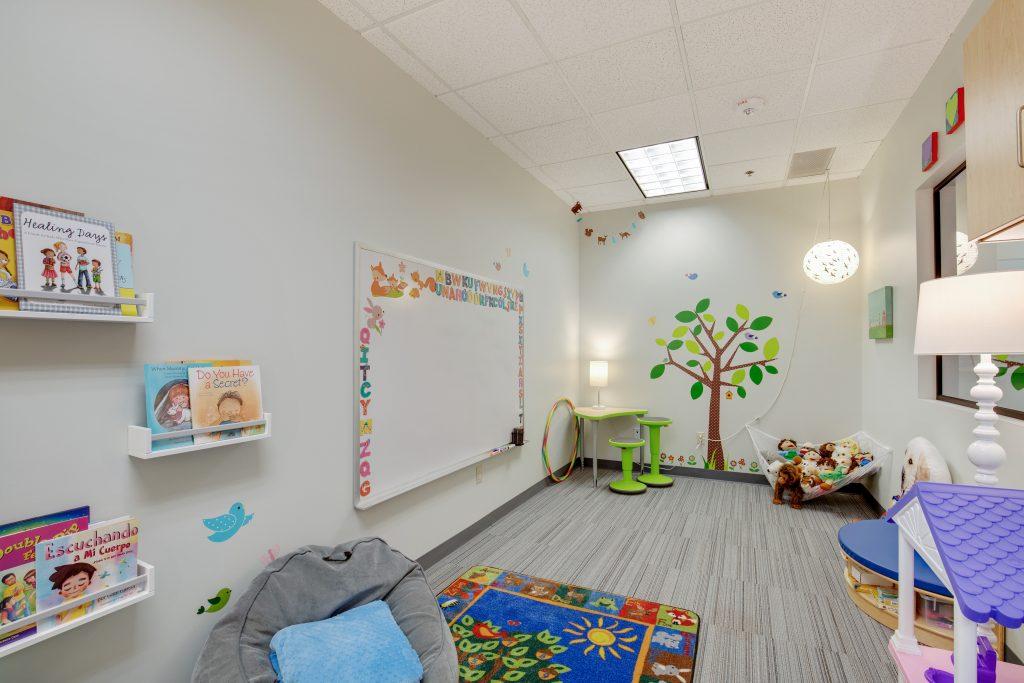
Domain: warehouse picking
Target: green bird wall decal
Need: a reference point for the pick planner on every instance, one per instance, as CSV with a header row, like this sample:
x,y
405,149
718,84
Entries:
x,y
217,602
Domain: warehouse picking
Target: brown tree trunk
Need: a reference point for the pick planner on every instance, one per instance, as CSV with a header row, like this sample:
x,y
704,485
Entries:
x,y
716,456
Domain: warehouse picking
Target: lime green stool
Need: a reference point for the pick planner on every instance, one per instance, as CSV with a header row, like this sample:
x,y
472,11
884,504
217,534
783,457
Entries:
x,y
655,478
627,484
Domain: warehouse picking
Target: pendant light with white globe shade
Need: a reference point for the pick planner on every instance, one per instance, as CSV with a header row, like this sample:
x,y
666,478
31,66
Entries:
x,y
830,261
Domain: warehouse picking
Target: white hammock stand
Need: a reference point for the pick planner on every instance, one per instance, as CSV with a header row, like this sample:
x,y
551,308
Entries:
x,y
768,443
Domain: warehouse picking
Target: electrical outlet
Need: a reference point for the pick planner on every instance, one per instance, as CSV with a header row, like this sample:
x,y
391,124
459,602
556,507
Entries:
x,y
479,472
637,433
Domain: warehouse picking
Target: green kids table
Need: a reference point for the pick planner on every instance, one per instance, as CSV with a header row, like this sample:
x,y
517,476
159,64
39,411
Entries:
x,y
595,415
654,478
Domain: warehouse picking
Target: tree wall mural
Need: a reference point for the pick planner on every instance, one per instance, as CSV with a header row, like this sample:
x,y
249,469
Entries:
x,y
1014,367
716,366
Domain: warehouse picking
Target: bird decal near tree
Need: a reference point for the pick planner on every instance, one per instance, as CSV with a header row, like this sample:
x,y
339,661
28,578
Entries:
x,y
716,369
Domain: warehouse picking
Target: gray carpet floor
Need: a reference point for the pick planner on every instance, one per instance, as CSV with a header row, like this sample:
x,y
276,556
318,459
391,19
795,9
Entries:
x,y
767,581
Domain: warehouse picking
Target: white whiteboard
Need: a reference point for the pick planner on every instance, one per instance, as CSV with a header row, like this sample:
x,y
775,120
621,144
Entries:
x,y
438,371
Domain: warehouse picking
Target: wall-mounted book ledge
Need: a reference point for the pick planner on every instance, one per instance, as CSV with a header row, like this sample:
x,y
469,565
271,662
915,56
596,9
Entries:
x,y
104,602
141,439
144,303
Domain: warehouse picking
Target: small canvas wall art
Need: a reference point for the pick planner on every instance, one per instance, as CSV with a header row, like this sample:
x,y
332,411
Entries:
x,y
930,151
880,313
955,110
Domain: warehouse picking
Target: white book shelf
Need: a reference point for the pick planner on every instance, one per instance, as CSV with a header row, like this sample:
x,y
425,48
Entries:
x,y
141,439
143,585
144,302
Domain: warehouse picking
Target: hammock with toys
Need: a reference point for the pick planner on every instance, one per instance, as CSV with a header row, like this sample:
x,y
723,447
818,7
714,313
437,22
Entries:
x,y
825,468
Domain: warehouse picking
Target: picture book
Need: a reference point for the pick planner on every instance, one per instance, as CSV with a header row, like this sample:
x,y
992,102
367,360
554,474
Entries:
x,y
43,520
216,362
58,249
18,576
8,267
124,250
168,403
225,395
83,563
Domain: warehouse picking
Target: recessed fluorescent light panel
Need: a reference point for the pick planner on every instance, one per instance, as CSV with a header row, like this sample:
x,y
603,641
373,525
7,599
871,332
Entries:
x,y
668,168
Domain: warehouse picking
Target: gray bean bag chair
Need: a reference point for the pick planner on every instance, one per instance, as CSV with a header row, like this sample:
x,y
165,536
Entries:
x,y
315,583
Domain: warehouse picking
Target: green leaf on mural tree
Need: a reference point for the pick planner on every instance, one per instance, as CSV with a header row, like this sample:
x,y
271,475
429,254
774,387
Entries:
x,y
761,323
1002,371
738,376
731,323
743,312
680,331
702,305
741,392
692,363
1017,378
1001,356
756,374
686,316
675,344
707,366
692,346
708,318
771,348
749,347
771,369
657,371
718,336
696,330
659,341
696,390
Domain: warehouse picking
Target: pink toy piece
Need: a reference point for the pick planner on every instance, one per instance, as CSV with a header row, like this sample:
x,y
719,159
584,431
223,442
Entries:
x,y
986,666
913,667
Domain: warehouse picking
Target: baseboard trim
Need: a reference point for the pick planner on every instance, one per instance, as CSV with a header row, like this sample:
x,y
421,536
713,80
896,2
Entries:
x,y
434,555
1011,656
745,477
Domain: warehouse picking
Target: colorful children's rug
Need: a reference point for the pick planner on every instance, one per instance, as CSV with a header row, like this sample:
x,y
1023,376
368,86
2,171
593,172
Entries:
x,y
513,627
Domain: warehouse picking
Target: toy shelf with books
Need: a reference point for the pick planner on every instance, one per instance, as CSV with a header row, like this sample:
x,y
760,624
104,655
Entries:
x,y
135,309
142,441
135,590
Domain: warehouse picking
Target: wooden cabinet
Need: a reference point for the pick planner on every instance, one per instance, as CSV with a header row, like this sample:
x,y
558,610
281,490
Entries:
x,y
994,86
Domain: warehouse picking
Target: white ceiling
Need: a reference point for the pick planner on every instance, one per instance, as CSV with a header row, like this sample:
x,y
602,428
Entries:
x,y
561,85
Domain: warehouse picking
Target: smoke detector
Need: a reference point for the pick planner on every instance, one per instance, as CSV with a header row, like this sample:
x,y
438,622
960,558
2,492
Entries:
x,y
750,105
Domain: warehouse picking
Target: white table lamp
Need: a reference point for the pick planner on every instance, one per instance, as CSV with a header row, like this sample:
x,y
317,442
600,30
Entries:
x,y
598,378
975,314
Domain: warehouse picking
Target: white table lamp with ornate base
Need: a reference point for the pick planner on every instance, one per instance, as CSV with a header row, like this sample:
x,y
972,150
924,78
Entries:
x,y
975,315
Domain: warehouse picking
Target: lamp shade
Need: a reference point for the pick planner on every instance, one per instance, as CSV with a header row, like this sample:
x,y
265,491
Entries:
x,y
971,314
598,373
831,262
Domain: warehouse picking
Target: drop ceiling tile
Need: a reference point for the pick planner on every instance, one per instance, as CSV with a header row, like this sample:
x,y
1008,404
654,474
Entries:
x,y
468,41
571,27
753,142
782,96
543,177
856,27
385,9
459,106
870,79
685,196
565,197
866,124
849,158
774,36
405,61
607,193
747,188
589,171
691,10
349,13
649,123
560,142
527,99
514,152
770,170
638,70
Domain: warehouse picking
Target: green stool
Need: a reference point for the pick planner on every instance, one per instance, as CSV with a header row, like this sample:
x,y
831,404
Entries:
x,y
627,484
655,478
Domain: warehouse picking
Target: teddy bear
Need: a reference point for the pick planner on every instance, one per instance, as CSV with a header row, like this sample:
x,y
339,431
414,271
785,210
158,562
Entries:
x,y
788,480
844,458
810,482
827,451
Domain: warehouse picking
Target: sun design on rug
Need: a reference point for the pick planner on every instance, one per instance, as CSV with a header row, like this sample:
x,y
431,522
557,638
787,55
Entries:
x,y
606,638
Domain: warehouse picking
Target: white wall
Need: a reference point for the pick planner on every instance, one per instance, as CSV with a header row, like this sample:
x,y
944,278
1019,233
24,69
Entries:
x,y
246,144
742,247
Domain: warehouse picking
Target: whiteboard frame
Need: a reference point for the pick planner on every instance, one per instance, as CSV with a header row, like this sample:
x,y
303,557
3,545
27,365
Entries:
x,y
364,503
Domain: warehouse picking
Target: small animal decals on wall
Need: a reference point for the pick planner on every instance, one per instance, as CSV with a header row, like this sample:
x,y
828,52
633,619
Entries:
x,y
526,270
226,526
271,554
376,313
497,265
216,603
576,208
602,239
588,231
779,294
691,276
624,235
508,251
641,215
652,320
751,336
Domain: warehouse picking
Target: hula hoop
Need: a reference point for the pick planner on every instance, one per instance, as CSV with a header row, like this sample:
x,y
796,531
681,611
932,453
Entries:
x,y
575,440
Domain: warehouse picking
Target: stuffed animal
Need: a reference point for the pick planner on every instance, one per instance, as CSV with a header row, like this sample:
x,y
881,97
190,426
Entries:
x,y
827,451
844,458
809,451
789,480
808,468
852,443
809,482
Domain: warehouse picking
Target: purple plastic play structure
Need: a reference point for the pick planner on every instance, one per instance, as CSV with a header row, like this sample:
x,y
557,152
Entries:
x,y
972,537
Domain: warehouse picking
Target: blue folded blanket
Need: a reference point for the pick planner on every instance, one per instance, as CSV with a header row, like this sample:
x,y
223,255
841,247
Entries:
x,y
362,644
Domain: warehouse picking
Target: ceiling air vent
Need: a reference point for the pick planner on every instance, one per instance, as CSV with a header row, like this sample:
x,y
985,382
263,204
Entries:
x,y
815,162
